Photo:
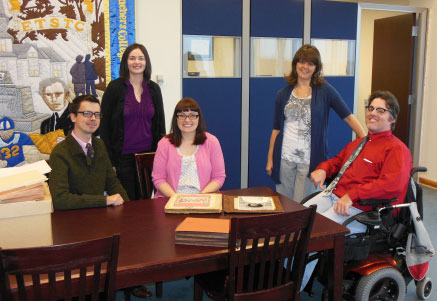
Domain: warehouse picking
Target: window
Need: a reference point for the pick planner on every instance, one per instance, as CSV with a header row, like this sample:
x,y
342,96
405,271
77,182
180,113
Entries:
x,y
33,68
272,56
211,56
338,56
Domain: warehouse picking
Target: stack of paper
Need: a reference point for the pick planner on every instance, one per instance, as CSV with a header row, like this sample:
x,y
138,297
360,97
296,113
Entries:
x,y
203,232
19,187
194,203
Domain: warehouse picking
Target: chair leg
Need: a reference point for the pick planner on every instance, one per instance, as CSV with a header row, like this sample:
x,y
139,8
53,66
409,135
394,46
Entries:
x,y
158,289
198,291
127,292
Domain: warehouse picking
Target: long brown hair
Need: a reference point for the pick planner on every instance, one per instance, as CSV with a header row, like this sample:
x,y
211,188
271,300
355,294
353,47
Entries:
x,y
124,69
307,53
184,105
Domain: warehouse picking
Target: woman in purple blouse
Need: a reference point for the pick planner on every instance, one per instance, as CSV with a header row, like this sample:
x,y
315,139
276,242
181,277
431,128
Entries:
x,y
132,116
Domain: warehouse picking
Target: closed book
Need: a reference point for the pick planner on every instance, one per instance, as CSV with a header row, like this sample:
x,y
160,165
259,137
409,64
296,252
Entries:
x,y
194,203
203,232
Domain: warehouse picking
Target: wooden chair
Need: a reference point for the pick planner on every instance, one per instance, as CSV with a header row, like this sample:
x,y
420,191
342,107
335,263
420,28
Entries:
x,y
144,169
259,246
27,265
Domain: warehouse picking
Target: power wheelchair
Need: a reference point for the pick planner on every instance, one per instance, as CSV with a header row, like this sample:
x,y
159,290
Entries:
x,y
375,265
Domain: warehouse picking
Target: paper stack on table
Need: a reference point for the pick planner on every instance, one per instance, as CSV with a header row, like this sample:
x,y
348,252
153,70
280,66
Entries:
x,y
24,183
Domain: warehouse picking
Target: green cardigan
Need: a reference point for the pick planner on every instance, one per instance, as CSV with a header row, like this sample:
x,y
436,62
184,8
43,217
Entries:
x,y
78,182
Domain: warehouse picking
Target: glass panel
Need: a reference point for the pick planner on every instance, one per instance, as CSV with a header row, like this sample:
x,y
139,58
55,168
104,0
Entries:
x,y
272,56
338,56
211,56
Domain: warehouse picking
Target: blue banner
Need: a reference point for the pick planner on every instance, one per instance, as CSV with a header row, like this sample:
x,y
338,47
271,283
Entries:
x,y
122,30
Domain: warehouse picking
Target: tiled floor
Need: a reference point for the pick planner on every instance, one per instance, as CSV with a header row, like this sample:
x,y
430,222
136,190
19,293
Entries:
x,y
183,289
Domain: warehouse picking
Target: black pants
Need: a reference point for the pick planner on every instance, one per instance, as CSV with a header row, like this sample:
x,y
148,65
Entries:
x,y
127,174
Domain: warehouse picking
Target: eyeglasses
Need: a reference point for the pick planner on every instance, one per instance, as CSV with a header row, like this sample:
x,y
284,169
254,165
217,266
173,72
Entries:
x,y
89,114
378,110
191,116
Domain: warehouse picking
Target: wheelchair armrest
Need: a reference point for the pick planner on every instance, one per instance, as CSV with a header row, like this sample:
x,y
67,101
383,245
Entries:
x,y
368,218
376,202
309,197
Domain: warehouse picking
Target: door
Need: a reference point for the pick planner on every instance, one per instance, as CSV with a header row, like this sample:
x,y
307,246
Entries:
x,y
392,67
211,41
333,32
276,29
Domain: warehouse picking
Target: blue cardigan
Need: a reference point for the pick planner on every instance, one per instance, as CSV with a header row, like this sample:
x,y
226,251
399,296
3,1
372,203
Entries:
x,y
323,98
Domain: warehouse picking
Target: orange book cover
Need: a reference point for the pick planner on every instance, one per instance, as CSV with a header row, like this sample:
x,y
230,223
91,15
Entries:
x,y
213,225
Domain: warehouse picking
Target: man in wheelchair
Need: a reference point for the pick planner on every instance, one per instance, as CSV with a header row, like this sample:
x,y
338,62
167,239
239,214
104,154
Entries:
x,y
381,169
374,167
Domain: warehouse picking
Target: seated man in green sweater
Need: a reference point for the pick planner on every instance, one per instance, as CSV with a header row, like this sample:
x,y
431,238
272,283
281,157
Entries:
x,y
81,169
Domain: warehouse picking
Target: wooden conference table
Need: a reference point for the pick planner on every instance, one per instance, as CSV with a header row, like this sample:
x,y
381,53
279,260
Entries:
x,y
147,250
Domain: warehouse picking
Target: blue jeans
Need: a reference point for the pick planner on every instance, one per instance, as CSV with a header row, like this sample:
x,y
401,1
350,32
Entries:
x,y
295,183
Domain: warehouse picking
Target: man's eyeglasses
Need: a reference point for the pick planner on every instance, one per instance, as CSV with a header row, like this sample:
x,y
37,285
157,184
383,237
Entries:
x,y
89,114
191,116
378,110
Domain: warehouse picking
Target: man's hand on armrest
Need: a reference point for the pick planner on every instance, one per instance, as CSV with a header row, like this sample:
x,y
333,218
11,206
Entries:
x,y
114,200
318,177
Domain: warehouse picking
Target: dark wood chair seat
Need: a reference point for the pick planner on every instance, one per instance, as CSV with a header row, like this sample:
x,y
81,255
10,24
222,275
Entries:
x,y
266,261
72,262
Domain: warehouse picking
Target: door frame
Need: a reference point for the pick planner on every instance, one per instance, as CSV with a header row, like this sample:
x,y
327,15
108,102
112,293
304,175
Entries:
x,y
418,68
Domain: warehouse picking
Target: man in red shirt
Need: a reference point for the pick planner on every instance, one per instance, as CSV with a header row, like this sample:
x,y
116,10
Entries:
x,y
380,171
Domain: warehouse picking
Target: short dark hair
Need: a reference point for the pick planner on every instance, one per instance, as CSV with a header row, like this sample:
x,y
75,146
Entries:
x,y
75,104
391,102
308,53
124,70
50,81
184,105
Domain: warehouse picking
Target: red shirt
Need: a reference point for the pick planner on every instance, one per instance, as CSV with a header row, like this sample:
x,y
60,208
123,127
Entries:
x,y
380,171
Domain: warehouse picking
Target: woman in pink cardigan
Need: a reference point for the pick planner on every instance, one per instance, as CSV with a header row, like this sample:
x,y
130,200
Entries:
x,y
188,160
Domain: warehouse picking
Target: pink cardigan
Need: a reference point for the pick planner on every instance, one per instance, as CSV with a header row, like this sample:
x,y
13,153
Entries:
x,y
167,164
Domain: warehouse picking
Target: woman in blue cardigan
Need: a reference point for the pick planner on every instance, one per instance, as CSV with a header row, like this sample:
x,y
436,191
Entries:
x,y
299,138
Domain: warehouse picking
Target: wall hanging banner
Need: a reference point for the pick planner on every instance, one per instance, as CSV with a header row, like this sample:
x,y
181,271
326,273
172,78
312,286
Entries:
x,y
50,52
121,29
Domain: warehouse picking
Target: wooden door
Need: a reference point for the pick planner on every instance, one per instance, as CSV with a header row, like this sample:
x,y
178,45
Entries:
x,y
393,57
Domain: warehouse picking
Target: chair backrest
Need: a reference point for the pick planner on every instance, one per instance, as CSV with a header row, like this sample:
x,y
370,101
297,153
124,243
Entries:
x,y
144,169
259,246
37,270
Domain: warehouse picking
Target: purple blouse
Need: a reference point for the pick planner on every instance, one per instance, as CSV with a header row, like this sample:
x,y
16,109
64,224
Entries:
x,y
137,120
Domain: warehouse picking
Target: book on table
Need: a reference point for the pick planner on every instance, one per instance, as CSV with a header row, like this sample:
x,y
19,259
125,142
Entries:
x,y
194,203
203,232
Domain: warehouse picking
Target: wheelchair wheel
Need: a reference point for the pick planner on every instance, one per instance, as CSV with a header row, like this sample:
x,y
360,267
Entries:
x,y
384,284
424,288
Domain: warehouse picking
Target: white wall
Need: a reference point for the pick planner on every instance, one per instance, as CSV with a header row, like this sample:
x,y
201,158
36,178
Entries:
x,y
159,28
428,156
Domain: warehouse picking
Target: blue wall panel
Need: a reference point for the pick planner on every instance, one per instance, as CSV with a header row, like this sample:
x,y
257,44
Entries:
x,y
339,133
276,18
262,107
220,101
333,20
212,17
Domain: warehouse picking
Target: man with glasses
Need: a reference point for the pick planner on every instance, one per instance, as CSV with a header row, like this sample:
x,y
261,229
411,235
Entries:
x,y
374,167
381,169
82,174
